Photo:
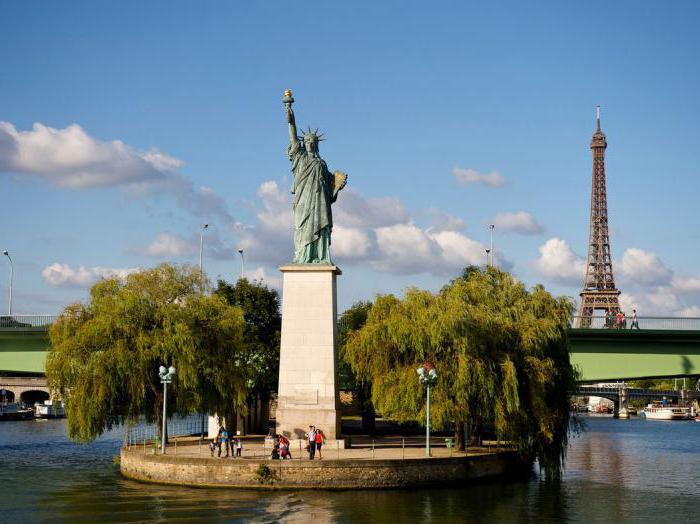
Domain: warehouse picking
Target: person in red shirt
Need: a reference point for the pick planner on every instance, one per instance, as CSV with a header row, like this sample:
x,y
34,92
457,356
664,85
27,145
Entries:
x,y
319,442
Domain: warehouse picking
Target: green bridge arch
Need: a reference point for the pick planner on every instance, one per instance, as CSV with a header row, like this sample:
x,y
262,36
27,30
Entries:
x,y
598,354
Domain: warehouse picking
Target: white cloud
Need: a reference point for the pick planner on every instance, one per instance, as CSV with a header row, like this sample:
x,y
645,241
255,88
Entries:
x,y
64,275
471,176
690,311
519,222
657,301
686,284
558,262
167,245
406,248
441,221
350,242
355,210
644,267
271,238
71,158
261,275
363,232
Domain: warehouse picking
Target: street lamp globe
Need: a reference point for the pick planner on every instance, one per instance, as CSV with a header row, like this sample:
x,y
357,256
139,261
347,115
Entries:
x,y
162,370
171,370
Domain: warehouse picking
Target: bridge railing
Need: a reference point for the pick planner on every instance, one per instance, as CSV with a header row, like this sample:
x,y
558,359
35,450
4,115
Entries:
x,y
671,323
26,321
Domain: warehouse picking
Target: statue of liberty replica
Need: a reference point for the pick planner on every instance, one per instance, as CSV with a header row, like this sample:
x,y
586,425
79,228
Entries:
x,y
315,188
308,373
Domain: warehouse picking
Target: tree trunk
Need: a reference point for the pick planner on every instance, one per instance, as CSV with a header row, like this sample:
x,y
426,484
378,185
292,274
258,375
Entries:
x,y
459,435
368,414
231,422
158,396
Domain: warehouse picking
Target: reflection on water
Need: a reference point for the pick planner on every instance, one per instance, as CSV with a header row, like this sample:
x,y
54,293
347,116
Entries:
x,y
618,470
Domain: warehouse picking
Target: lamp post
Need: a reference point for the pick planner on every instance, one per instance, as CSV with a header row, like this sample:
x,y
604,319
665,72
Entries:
x,y
427,375
240,252
201,245
12,274
166,377
491,228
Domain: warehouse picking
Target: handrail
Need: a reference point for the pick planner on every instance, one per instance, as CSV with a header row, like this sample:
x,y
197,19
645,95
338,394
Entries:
x,y
612,323
26,321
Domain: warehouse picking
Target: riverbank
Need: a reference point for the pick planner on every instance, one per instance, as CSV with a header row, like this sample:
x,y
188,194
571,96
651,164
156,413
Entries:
x,y
355,468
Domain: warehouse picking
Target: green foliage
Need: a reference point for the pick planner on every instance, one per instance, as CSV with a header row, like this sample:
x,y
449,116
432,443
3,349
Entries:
x,y
501,353
264,474
263,323
352,319
105,354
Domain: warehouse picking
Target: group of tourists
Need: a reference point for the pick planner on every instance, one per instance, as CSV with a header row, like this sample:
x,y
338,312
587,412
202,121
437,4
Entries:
x,y
280,448
618,319
223,442
315,439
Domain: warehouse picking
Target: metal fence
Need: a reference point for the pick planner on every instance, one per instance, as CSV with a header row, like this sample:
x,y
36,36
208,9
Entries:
x,y
26,321
141,433
600,322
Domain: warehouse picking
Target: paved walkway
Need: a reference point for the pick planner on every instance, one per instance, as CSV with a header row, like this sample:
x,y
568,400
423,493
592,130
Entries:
x,y
362,449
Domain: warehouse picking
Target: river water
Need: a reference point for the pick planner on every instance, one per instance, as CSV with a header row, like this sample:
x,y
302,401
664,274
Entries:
x,y
617,471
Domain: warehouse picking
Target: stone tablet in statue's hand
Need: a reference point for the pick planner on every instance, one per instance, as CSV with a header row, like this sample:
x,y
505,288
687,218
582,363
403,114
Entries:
x,y
339,181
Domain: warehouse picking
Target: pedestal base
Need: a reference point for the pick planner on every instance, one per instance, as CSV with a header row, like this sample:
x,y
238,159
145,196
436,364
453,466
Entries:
x,y
308,384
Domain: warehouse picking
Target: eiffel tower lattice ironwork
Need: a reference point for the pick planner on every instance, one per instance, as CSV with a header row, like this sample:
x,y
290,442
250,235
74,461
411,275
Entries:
x,y
599,290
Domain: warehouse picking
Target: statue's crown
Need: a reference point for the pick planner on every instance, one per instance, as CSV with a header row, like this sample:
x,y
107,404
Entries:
x,y
313,134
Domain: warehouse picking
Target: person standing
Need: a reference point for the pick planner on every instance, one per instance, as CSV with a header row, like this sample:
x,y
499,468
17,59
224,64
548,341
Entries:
x,y
635,323
311,438
320,440
620,319
239,446
224,441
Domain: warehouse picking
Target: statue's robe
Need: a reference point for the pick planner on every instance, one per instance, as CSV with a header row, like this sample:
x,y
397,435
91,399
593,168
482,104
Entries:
x,y
313,196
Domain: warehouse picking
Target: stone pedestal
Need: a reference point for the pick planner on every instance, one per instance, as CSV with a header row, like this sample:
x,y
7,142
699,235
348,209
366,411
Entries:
x,y
308,381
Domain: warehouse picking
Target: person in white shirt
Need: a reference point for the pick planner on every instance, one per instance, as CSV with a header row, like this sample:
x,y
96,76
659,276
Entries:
x,y
635,323
311,438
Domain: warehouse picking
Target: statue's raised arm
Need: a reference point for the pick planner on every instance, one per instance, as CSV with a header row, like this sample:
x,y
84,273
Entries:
x,y
315,188
288,101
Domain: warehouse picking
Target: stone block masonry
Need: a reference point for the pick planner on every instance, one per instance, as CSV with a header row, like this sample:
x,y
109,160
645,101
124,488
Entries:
x,y
308,379
326,474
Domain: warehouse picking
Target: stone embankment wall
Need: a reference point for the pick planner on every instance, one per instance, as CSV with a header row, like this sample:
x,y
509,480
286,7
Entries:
x,y
326,474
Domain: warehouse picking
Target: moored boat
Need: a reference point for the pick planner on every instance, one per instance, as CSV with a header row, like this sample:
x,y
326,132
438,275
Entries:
x,y
657,411
49,409
15,411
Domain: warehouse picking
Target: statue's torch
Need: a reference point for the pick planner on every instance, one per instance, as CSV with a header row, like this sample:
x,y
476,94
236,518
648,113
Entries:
x,y
288,99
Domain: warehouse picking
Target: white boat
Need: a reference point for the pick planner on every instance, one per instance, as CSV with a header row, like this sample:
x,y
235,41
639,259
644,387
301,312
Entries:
x,y
49,409
657,411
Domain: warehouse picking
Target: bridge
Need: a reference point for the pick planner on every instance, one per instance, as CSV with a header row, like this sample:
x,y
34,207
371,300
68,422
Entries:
x,y
620,394
662,347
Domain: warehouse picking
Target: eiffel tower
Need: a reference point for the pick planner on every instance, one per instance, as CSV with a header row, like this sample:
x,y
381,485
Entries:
x,y
599,290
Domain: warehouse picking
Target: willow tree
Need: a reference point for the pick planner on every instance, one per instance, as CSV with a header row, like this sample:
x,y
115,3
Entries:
x,y
105,353
501,352
353,319
261,336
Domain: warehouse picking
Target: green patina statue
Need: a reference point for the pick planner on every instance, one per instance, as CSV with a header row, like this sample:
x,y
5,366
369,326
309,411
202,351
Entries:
x,y
315,188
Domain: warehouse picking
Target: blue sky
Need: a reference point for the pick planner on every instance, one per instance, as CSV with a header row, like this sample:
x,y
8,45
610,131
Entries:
x,y
155,117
